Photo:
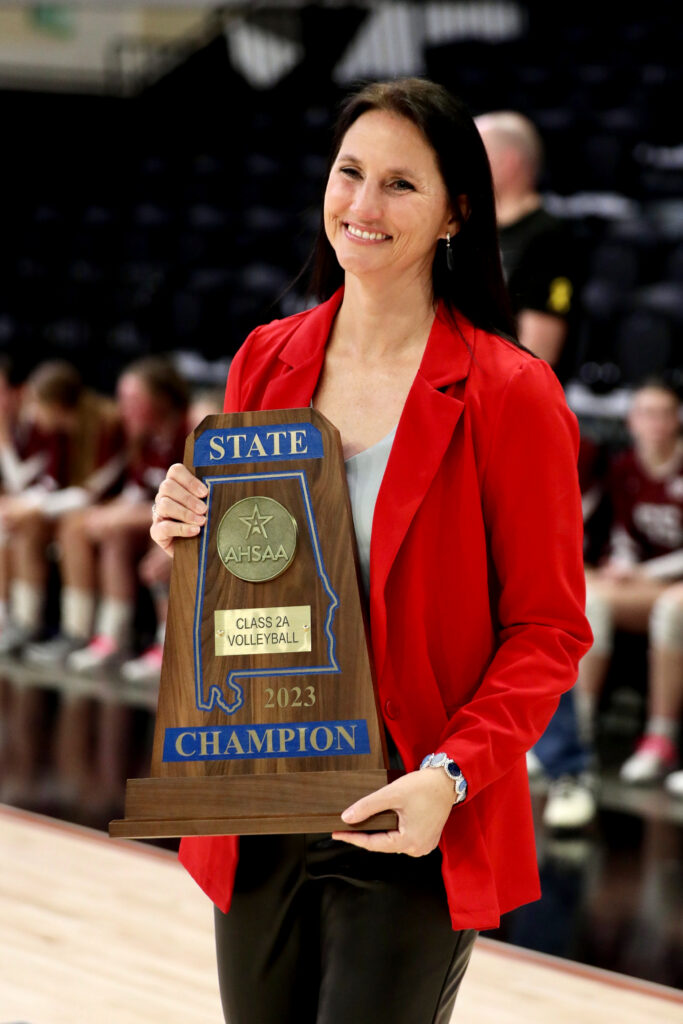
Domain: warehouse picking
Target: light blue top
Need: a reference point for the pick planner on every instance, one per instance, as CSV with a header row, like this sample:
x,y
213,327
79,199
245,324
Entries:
x,y
364,472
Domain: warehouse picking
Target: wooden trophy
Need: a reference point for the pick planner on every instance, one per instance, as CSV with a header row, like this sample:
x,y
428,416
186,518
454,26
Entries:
x,y
268,718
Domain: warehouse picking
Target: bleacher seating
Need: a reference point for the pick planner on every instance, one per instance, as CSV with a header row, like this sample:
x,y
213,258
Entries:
x,y
175,220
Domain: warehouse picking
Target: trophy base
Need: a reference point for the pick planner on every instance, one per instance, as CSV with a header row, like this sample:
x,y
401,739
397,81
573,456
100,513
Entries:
x,y
294,802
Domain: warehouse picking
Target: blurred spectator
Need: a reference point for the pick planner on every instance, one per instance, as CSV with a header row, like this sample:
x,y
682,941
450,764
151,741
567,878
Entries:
x,y
60,448
100,546
62,452
635,588
536,247
535,251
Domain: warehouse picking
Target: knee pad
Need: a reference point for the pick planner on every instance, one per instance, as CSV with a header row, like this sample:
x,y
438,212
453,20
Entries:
x,y
666,622
599,614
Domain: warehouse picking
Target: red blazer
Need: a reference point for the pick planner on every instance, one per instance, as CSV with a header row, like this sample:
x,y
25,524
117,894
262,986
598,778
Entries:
x,y
477,583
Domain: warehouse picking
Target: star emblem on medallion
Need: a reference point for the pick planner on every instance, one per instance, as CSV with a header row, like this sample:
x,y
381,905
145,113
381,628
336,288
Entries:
x,y
255,523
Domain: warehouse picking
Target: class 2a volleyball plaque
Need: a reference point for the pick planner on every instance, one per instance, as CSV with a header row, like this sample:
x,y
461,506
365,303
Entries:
x,y
267,717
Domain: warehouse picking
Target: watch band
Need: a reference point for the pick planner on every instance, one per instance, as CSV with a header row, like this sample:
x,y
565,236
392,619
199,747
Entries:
x,y
452,770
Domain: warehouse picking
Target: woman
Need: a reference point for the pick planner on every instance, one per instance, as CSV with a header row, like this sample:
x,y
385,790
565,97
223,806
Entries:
x,y
475,579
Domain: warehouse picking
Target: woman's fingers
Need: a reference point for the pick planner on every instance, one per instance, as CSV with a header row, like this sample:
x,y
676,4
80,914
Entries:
x,y
166,529
423,802
180,496
180,474
375,842
186,478
179,508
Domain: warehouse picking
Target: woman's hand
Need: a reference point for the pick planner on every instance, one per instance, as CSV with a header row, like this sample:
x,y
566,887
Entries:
x,y
422,799
179,508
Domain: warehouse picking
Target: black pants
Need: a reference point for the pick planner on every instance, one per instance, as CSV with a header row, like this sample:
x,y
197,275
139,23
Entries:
x,y
321,932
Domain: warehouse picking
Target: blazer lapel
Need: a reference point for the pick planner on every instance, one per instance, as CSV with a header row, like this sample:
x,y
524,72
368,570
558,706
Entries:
x,y
424,432
302,358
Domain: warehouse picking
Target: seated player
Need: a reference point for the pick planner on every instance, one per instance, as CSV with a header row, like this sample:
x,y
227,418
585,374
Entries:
x,y
59,450
62,454
100,546
636,589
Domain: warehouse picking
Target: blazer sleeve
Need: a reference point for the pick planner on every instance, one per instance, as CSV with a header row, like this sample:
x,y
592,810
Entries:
x,y
532,512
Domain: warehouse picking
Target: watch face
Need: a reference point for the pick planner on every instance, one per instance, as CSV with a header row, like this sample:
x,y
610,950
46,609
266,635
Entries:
x,y
439,759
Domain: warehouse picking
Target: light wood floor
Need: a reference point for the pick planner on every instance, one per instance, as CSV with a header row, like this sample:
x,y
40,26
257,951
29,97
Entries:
x,y
94,931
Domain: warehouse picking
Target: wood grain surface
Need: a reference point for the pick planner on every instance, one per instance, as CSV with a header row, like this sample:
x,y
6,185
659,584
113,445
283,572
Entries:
x,y
114,932
249,804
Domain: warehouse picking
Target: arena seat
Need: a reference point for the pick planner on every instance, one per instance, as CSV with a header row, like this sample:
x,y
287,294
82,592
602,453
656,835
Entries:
x,y
152,237
643,345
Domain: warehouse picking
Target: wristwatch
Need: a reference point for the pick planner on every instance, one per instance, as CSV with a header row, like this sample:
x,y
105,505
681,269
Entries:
x,y
452,770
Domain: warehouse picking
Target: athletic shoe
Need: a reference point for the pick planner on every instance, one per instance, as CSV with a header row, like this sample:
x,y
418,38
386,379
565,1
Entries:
x,y
14,638
146,669
571,803
654,757
54,651
673,783
101,652
534,767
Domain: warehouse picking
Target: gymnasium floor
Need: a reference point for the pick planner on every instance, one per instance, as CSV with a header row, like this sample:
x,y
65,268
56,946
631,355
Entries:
x,y
96,931
102,932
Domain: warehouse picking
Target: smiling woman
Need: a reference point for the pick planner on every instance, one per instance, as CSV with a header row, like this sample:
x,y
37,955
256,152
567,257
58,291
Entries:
x,y
380,218
426,130
461,454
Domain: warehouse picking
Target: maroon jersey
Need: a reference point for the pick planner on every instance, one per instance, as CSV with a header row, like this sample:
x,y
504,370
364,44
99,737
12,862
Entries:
x,y
48,451
150,460
648,511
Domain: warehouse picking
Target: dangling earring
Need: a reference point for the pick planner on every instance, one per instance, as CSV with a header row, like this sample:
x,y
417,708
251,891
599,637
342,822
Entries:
x,y
449,252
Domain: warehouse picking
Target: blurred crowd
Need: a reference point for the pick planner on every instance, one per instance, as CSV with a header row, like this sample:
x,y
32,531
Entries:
x,y
84,593
79,471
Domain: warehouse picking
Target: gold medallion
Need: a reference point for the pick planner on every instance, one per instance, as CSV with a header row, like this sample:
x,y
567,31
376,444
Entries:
x,y
257,539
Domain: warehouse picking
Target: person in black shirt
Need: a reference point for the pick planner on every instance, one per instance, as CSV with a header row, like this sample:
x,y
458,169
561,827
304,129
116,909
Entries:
x,y
536,247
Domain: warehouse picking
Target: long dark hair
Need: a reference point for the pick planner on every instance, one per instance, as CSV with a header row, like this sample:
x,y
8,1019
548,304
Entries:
x,y
475,286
